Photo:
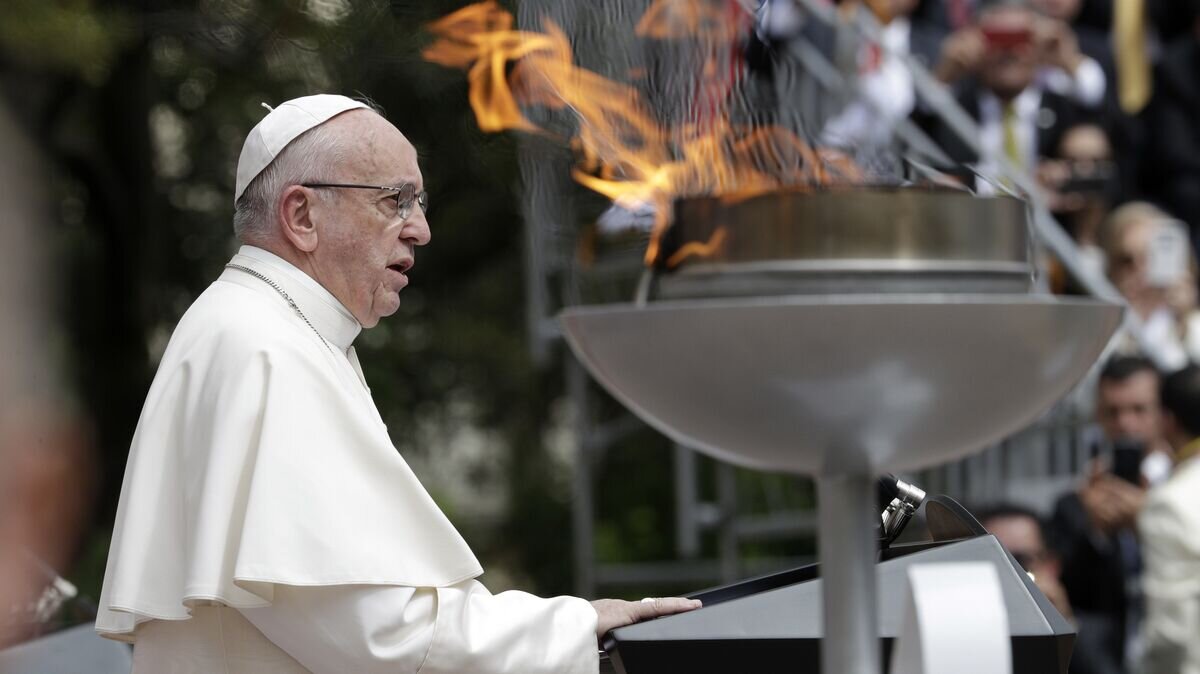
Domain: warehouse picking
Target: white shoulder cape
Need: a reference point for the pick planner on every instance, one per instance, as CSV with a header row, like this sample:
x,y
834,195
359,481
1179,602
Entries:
x,y
259,459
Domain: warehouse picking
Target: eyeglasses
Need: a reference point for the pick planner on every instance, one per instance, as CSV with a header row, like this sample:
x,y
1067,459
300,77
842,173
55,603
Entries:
x,y
405,195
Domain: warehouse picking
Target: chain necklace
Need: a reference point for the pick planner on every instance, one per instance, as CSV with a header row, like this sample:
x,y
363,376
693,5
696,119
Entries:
x,y
286,297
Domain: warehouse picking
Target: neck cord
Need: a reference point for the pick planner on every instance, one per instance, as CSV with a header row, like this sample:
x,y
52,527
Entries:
x,y
286,297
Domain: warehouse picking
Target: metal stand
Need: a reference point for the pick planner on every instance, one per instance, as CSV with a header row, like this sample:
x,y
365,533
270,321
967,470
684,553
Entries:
x,y
846,543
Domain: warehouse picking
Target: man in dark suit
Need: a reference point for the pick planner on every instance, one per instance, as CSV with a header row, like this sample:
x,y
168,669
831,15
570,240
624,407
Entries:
x,y
1094,527
994,67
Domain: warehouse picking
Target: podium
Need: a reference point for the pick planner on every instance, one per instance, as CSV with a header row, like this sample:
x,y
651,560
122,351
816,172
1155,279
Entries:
x,y
772,624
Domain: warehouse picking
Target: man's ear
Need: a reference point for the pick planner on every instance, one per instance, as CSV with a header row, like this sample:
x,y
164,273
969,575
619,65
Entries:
x,y
295,217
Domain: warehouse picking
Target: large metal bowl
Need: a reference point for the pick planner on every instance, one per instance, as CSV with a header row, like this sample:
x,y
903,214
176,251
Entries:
x,y
813,385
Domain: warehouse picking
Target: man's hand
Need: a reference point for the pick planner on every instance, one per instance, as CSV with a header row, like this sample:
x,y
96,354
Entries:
x,y
614,613
961,53
1057,45
1112,504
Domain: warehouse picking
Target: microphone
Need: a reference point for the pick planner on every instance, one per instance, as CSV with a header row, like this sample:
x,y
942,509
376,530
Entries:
x,y
902,500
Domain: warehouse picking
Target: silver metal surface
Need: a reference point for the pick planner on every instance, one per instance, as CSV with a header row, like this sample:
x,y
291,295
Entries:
x,y
847,515
814,384
877,240
863,223
897,514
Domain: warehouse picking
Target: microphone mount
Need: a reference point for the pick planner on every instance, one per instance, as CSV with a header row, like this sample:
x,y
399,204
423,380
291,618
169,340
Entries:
x,y
902,500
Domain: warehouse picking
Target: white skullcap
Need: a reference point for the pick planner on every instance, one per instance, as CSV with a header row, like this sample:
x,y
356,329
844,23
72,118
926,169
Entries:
x,y
281,126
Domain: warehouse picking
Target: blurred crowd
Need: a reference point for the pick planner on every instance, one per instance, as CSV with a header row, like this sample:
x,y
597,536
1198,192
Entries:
x,y
1095,101
1120,555
1098,101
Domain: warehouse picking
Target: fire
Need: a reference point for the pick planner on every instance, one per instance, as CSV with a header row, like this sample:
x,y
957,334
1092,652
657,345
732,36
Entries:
x,y
480,39
624,152
697,249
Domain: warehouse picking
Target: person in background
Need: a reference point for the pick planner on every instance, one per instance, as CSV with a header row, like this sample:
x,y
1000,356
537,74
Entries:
x,y
1013,25
1079,183
995,66
1094,526
1093,42
1170,532
1174,142
1127,129
885,94
1022,533
1152,266
1127,411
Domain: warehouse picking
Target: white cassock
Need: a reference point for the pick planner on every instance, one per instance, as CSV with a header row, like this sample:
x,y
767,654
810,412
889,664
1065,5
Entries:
x,y
267,524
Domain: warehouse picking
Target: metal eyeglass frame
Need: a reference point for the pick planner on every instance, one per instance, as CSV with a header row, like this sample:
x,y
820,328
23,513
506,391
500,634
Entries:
x,y
406,194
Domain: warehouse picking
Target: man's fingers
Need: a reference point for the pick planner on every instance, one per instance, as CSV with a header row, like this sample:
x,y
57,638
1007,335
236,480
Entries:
x,y
664,606
614,613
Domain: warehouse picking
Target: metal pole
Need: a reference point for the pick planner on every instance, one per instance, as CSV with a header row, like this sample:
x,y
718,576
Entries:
x,y
687,528
847,518
582,505
727,532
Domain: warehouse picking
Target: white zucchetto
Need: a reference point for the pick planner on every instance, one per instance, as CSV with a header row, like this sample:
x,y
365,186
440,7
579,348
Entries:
x,y
281,126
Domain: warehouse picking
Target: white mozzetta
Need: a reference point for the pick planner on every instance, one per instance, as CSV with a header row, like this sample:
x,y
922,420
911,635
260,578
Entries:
x,y
260,459
267,523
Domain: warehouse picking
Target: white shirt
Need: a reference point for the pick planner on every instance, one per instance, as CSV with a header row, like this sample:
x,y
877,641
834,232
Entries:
x,y
1086,86
1026,108
885,93
266,522
1169,525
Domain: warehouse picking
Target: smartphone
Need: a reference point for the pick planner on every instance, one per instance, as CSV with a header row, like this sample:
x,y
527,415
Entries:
x,y
1006,37
1089,177
1127,460
1167,256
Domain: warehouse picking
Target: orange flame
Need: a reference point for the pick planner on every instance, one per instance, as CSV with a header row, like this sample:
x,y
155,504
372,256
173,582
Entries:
x,y
697,249
624,152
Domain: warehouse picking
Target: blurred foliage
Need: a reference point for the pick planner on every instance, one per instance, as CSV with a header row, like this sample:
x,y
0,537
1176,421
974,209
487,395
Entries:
x,y
141,109
75,38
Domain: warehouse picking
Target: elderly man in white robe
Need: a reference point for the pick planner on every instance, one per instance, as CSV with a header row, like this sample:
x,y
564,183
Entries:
x,y
266,522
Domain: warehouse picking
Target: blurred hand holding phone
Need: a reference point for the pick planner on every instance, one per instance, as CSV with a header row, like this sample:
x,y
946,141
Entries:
x,y
1114,493
1089,176
1168,254
1127,460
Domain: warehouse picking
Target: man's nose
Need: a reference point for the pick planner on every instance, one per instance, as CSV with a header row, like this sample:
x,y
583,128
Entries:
x,y
1128,422
416,228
